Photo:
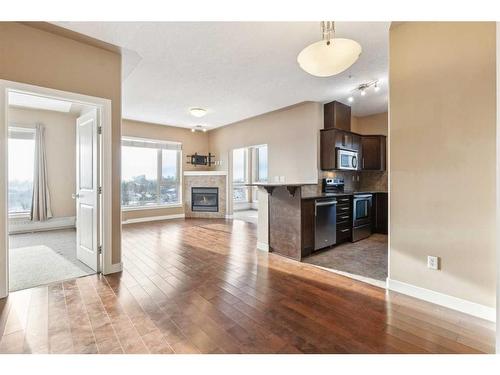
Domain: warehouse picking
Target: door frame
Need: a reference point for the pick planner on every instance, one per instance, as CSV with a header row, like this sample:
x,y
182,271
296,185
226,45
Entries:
x,y
104,106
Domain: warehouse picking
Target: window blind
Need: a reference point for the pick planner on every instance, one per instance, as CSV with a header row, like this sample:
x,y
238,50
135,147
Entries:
x,y
146,143
21,133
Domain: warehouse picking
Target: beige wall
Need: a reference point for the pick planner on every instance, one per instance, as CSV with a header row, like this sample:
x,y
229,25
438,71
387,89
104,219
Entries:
x,y
191,143
442,157
30,55
292,137
60,133
371,125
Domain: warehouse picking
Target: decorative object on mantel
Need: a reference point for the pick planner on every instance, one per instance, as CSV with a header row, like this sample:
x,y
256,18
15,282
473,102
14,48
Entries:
x,y
206,160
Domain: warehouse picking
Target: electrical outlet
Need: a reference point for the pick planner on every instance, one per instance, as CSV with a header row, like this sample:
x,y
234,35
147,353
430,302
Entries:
x,y
432,262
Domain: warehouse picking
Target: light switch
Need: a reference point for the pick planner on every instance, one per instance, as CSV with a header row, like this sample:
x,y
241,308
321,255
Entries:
x,y
433,262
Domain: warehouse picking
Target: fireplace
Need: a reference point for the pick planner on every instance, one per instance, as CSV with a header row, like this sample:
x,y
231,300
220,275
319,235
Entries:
x,y
205,199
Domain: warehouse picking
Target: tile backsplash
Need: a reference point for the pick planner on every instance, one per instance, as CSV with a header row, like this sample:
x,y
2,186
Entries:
x,y
356,181
374,180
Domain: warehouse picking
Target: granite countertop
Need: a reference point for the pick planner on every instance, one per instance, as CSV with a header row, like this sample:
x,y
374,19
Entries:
x,y
278,184
329,195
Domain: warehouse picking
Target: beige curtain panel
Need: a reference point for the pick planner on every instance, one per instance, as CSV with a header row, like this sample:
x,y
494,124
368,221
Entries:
x,y
40,207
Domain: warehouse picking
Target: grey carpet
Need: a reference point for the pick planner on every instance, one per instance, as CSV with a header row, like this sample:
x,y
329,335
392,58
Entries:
x,y
43,257
366,258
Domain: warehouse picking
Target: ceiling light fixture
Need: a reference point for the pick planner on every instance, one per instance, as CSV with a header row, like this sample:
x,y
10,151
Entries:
x,y
363,88
330,55
198,112
199,128
350,99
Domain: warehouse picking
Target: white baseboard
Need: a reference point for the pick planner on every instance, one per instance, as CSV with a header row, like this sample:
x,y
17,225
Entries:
x,y
114,268
263,246
17,226
467,307
153,218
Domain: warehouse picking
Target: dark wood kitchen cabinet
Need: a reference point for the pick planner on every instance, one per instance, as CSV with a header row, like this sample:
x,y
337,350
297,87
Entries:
x,y
330,140
337,116
374,152
380,218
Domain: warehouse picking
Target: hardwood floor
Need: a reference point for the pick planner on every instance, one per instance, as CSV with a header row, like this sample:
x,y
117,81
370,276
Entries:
x,y
199,286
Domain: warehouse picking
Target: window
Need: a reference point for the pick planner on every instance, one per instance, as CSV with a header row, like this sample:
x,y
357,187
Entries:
x,y
150,173
240,191
261,163
21,165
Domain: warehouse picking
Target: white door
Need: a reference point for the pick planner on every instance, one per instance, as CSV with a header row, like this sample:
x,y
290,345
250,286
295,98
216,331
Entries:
x,y
87,190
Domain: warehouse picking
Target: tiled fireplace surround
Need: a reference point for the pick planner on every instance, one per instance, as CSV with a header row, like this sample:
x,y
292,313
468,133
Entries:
x,y
203,179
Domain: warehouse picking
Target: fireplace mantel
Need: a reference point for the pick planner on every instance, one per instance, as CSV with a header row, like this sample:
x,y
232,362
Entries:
x,y
205,173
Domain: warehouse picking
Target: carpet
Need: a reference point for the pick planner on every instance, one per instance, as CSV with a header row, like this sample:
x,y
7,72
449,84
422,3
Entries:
x,y
38,265
43,257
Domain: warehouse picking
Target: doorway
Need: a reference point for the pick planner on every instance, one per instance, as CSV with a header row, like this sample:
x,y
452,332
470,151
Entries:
x,y
249,166
56,201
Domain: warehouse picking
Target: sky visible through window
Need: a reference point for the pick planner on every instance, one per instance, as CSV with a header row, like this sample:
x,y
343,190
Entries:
x,y
239,165
21,164
262,174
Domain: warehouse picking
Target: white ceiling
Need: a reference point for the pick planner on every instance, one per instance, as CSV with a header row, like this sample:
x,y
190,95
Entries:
x,y
235,70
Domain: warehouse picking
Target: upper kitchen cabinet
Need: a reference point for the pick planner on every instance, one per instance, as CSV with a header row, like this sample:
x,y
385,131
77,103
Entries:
x,y
333,139
337,116
374,152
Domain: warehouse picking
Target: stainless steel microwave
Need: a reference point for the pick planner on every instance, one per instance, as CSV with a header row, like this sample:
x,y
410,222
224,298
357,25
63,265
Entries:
x,y
347,159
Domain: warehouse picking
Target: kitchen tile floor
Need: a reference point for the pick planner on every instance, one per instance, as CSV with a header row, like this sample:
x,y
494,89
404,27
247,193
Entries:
x,y
366,258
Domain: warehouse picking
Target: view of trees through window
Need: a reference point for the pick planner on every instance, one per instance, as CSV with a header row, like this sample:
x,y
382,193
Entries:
x,y
150,176
21,164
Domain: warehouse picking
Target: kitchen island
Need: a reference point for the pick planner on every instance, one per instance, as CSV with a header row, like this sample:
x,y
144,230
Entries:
x,y
287,217
284,234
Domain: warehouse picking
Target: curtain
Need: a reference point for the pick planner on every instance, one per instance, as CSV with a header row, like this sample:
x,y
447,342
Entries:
x,y
40,203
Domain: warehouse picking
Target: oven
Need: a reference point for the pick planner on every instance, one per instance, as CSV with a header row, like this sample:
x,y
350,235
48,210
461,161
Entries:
x,y
361,216
347,159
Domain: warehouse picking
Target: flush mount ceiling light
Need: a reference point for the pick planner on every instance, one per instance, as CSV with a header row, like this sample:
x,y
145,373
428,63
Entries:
x,y
199,128
197,112
330,55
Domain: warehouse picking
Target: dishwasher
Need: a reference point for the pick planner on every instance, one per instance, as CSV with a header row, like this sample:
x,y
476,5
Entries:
x,y
325,228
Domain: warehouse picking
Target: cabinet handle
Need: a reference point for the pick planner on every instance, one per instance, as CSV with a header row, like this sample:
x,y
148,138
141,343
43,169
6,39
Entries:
x,y
344,208
344,200
344,230
344,217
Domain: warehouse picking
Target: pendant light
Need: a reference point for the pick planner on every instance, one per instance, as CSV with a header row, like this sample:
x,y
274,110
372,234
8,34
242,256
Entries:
x,y
330,55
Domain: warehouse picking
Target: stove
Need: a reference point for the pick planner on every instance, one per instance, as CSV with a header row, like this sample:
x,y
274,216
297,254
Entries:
x,y
332,185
